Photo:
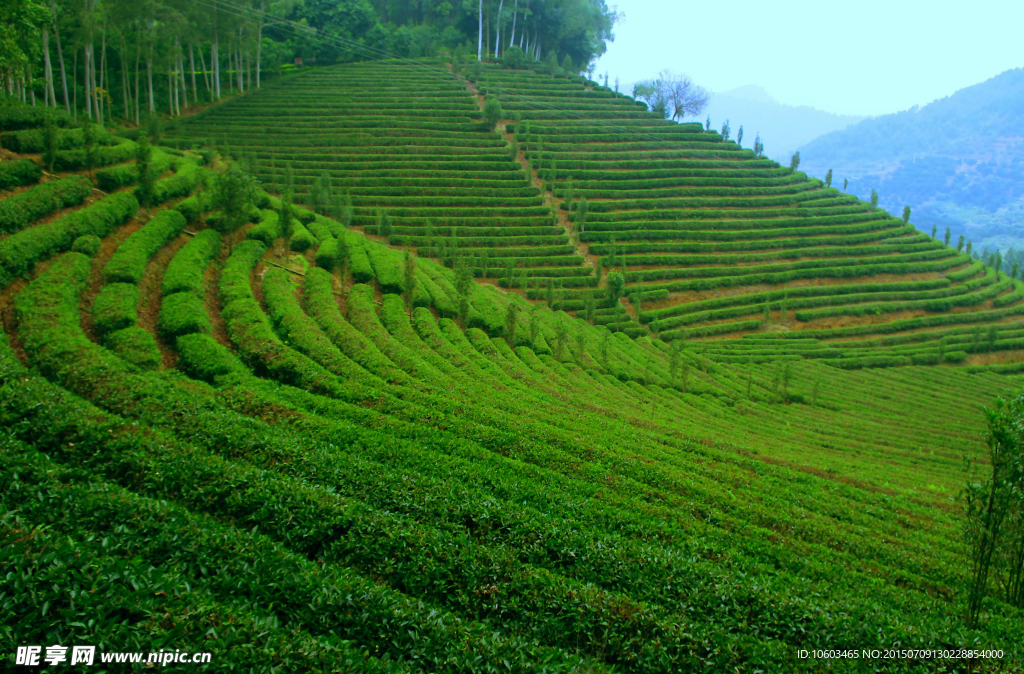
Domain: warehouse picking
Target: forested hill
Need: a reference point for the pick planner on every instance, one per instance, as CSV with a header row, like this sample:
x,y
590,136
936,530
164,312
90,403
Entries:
x,y
956,162
123,60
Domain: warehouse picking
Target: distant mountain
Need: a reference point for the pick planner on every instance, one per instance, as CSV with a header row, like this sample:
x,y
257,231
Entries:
x,y
957,162
783,128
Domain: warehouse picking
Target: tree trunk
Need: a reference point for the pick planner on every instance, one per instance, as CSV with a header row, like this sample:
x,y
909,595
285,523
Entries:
x,y
28,84
215,61
480,33
103,74
238,63
138,61
206,76
63,75
497,28
126,94
177,93
88,89
149,76
181,70
259,39
95,84
487,22
192,66
515,9
74,87
50,98
170,91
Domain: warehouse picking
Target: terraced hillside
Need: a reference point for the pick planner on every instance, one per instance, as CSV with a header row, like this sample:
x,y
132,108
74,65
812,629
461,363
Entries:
x,y
715,241
292,446
406,143
712,241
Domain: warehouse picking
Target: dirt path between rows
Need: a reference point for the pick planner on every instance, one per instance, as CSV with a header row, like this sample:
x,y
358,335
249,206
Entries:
x,y
151,297
549,199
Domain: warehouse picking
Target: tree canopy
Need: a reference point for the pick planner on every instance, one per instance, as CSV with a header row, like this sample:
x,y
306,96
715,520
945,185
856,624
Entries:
x,y
672,94
114,60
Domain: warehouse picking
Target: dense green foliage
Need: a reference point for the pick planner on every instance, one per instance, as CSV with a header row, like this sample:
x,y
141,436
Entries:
x,y
19,172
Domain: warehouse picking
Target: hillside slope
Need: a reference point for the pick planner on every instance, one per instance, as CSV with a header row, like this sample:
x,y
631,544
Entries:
x,y
958,161
295,441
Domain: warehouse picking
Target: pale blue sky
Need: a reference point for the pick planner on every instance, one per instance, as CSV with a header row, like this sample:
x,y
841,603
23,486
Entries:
x,y
866,57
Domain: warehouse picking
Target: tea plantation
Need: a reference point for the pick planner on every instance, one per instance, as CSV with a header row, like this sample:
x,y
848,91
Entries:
x,y
315,443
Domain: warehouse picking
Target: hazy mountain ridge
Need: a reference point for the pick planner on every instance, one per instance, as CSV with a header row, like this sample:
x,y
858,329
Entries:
x,y
783,128
958,161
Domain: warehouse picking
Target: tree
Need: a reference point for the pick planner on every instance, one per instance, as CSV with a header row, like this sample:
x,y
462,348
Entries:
x,y
561,336
463,282
946,236
739,137
89,146
828,178
960,244
20,22
581,215
234,194
492,112
846,182
906,218
794,161
968,249
567,65
410,281
874,199
673,95
993,507
343,253
49,143
146,179
284,211
675,355
616,284
385,226
758,145
513,58
686,99
726,130
346,213
511,322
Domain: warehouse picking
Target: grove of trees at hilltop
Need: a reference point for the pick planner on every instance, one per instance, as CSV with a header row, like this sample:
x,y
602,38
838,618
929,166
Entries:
x,y
124,59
